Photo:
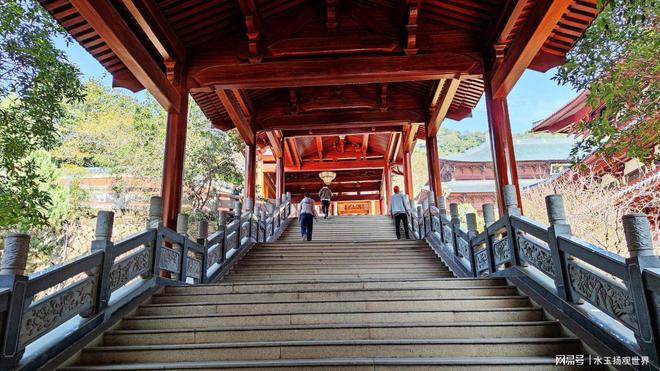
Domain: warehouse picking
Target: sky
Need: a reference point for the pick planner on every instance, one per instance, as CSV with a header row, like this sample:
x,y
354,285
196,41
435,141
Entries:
x,y
534,97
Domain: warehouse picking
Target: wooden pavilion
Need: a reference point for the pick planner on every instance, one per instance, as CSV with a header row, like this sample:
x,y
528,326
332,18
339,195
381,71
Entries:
x,y
342,85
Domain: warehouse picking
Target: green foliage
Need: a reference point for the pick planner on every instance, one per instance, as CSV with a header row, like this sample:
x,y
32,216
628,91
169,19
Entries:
x,y
210,160
454,141
617,61
36,81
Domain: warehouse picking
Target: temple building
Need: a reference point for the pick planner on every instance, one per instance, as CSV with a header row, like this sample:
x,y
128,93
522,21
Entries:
x,y
468,177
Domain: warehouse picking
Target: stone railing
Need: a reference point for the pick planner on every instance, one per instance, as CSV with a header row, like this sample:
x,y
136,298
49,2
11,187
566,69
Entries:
x,y
50,312
609,301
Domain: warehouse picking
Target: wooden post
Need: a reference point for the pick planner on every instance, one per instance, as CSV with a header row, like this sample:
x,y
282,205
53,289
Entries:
x,y
435,183
175,149
279,177
250,171
501,144
407,174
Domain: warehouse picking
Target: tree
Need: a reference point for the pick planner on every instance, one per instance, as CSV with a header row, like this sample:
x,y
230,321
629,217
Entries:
x,y
36,80
210,160
616,59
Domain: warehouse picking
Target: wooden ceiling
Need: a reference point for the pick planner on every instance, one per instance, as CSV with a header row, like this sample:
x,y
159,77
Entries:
x,y
294,75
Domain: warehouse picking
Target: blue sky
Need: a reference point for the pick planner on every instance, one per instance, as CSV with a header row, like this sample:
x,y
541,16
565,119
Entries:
x,y
533,98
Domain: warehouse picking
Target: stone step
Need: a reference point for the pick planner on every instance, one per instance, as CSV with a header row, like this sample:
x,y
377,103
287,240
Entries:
x,y
352,364
336,331
334,294
337,270
313,263
283,277
301,318
304,285
315,349
356,305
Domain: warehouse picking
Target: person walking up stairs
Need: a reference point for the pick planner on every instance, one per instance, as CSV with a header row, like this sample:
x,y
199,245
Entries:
x,y
355,298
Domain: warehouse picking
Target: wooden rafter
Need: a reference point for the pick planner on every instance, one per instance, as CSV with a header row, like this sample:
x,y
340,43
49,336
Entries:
x,y
314,121
335,165
152,21
342,131
365,145
439,111
409,137
106,21
275,143
293,146
411,26
253,28
242,123
288,156
539,25
339,70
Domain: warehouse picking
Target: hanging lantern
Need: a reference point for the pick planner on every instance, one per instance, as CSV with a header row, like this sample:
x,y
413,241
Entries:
x,y
327,176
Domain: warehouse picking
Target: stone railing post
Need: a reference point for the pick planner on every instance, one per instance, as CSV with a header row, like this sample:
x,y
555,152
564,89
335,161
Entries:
x,y
155,221
105,221
431,199
288,200
420,221
262,220
471,219
182,229
489,214
554,205
511,209
155,212
222,226
202,235
271,214
639,241
455,224
489,218
278,204
13,277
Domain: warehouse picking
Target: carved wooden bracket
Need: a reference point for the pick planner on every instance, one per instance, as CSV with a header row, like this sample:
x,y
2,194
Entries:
x,y
411,27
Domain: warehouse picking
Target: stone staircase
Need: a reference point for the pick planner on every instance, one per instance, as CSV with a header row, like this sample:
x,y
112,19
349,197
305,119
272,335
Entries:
x,y
352,299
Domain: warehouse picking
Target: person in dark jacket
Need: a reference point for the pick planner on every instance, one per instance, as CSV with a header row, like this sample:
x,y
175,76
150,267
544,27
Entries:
x,y
325,194
307,216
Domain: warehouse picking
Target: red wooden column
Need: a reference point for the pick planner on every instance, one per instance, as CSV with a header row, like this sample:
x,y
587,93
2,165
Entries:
x,y
279,176
407,174
387,183
435,183
501,145
175,149
250,172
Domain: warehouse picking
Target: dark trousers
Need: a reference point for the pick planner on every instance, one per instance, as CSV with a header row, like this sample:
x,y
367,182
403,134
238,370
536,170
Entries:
x,y
398,218
306,225
325,207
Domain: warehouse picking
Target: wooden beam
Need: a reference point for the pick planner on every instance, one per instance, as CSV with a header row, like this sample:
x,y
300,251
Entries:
x,y
539,25
409,137
439,112
319,147
336,188
253,29
293,145
342,131
338,180
365,145
338,70
111,27
382,104
328,120
331,16
338,165
275,143
288,156
339,198
235,112
411,26
151,20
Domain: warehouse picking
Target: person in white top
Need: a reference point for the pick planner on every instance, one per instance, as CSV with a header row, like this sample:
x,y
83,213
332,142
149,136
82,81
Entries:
x,y
325,194
399,210
307,216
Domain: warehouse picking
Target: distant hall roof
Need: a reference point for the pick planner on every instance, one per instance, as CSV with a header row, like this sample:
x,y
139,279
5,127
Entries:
x,y
541,148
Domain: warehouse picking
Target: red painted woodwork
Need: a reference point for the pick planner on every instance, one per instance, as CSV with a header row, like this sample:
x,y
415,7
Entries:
x,y
387,184
501,141
250,171
447,91
407,174
279,177
432,158
175,148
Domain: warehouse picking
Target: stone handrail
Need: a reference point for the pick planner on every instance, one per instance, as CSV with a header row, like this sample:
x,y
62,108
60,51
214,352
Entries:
x,y
604,296
88,294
